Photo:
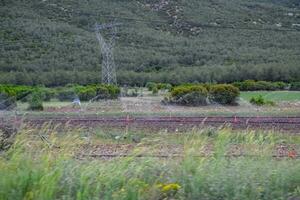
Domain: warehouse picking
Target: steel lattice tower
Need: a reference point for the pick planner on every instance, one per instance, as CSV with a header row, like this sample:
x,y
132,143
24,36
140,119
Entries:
x,y
108,63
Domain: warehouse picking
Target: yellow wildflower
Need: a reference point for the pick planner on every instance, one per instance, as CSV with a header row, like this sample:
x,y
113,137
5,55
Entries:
x,y
171,187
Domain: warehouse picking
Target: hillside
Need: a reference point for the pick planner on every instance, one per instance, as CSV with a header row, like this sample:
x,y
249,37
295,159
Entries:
x,y
54,43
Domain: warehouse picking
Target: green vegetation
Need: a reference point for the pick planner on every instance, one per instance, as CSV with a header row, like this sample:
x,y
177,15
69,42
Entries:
x,y
224,94
155,90
251,85
67,93
158,86
36,101
260,101
295,86
18,92
151,86
89,92
202,94
192,95
53,43
276,96
52,165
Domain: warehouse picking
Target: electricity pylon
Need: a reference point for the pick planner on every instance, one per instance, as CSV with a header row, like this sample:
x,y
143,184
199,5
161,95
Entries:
x,y
108,63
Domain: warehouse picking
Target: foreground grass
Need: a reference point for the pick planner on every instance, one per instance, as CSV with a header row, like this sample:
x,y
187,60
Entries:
x,y
37,168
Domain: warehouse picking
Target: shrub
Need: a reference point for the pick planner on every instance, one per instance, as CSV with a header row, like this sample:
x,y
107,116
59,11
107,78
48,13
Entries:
x,y
223,94
87,94
260,101
160,86
7,102
66,94
164,86
251,85
114,91
280,85
130,92
35,101
194,99
150,86
106,91
155,90
19,92
22,93
47,94
102,92
295,86
193,95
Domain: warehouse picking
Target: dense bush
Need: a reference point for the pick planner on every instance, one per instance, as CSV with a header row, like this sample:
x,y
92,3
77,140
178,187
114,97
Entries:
x,y
155,90
295,86
36,101
107,91
22,93
66,94
150,86
87,94
251,85
199,94
96,92
19,92
159,86
223,94
131,92
47,94
193,95
260,101
164,86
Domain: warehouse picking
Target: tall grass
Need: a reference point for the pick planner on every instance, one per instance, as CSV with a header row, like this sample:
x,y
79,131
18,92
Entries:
x,y
36,169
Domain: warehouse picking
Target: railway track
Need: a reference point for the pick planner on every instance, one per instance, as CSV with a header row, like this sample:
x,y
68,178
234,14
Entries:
x,y
171,122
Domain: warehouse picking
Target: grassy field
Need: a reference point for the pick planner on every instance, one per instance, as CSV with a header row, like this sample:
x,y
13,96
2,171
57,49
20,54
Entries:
x,y
209,164
273,95
287,104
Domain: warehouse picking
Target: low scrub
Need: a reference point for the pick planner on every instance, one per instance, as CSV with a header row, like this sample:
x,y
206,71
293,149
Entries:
x,y
158,86
90,92
66,94
260,101
36,101
295,86
223,94
203,94
194,95
251,85
22,93
86,93
131,92
19,92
